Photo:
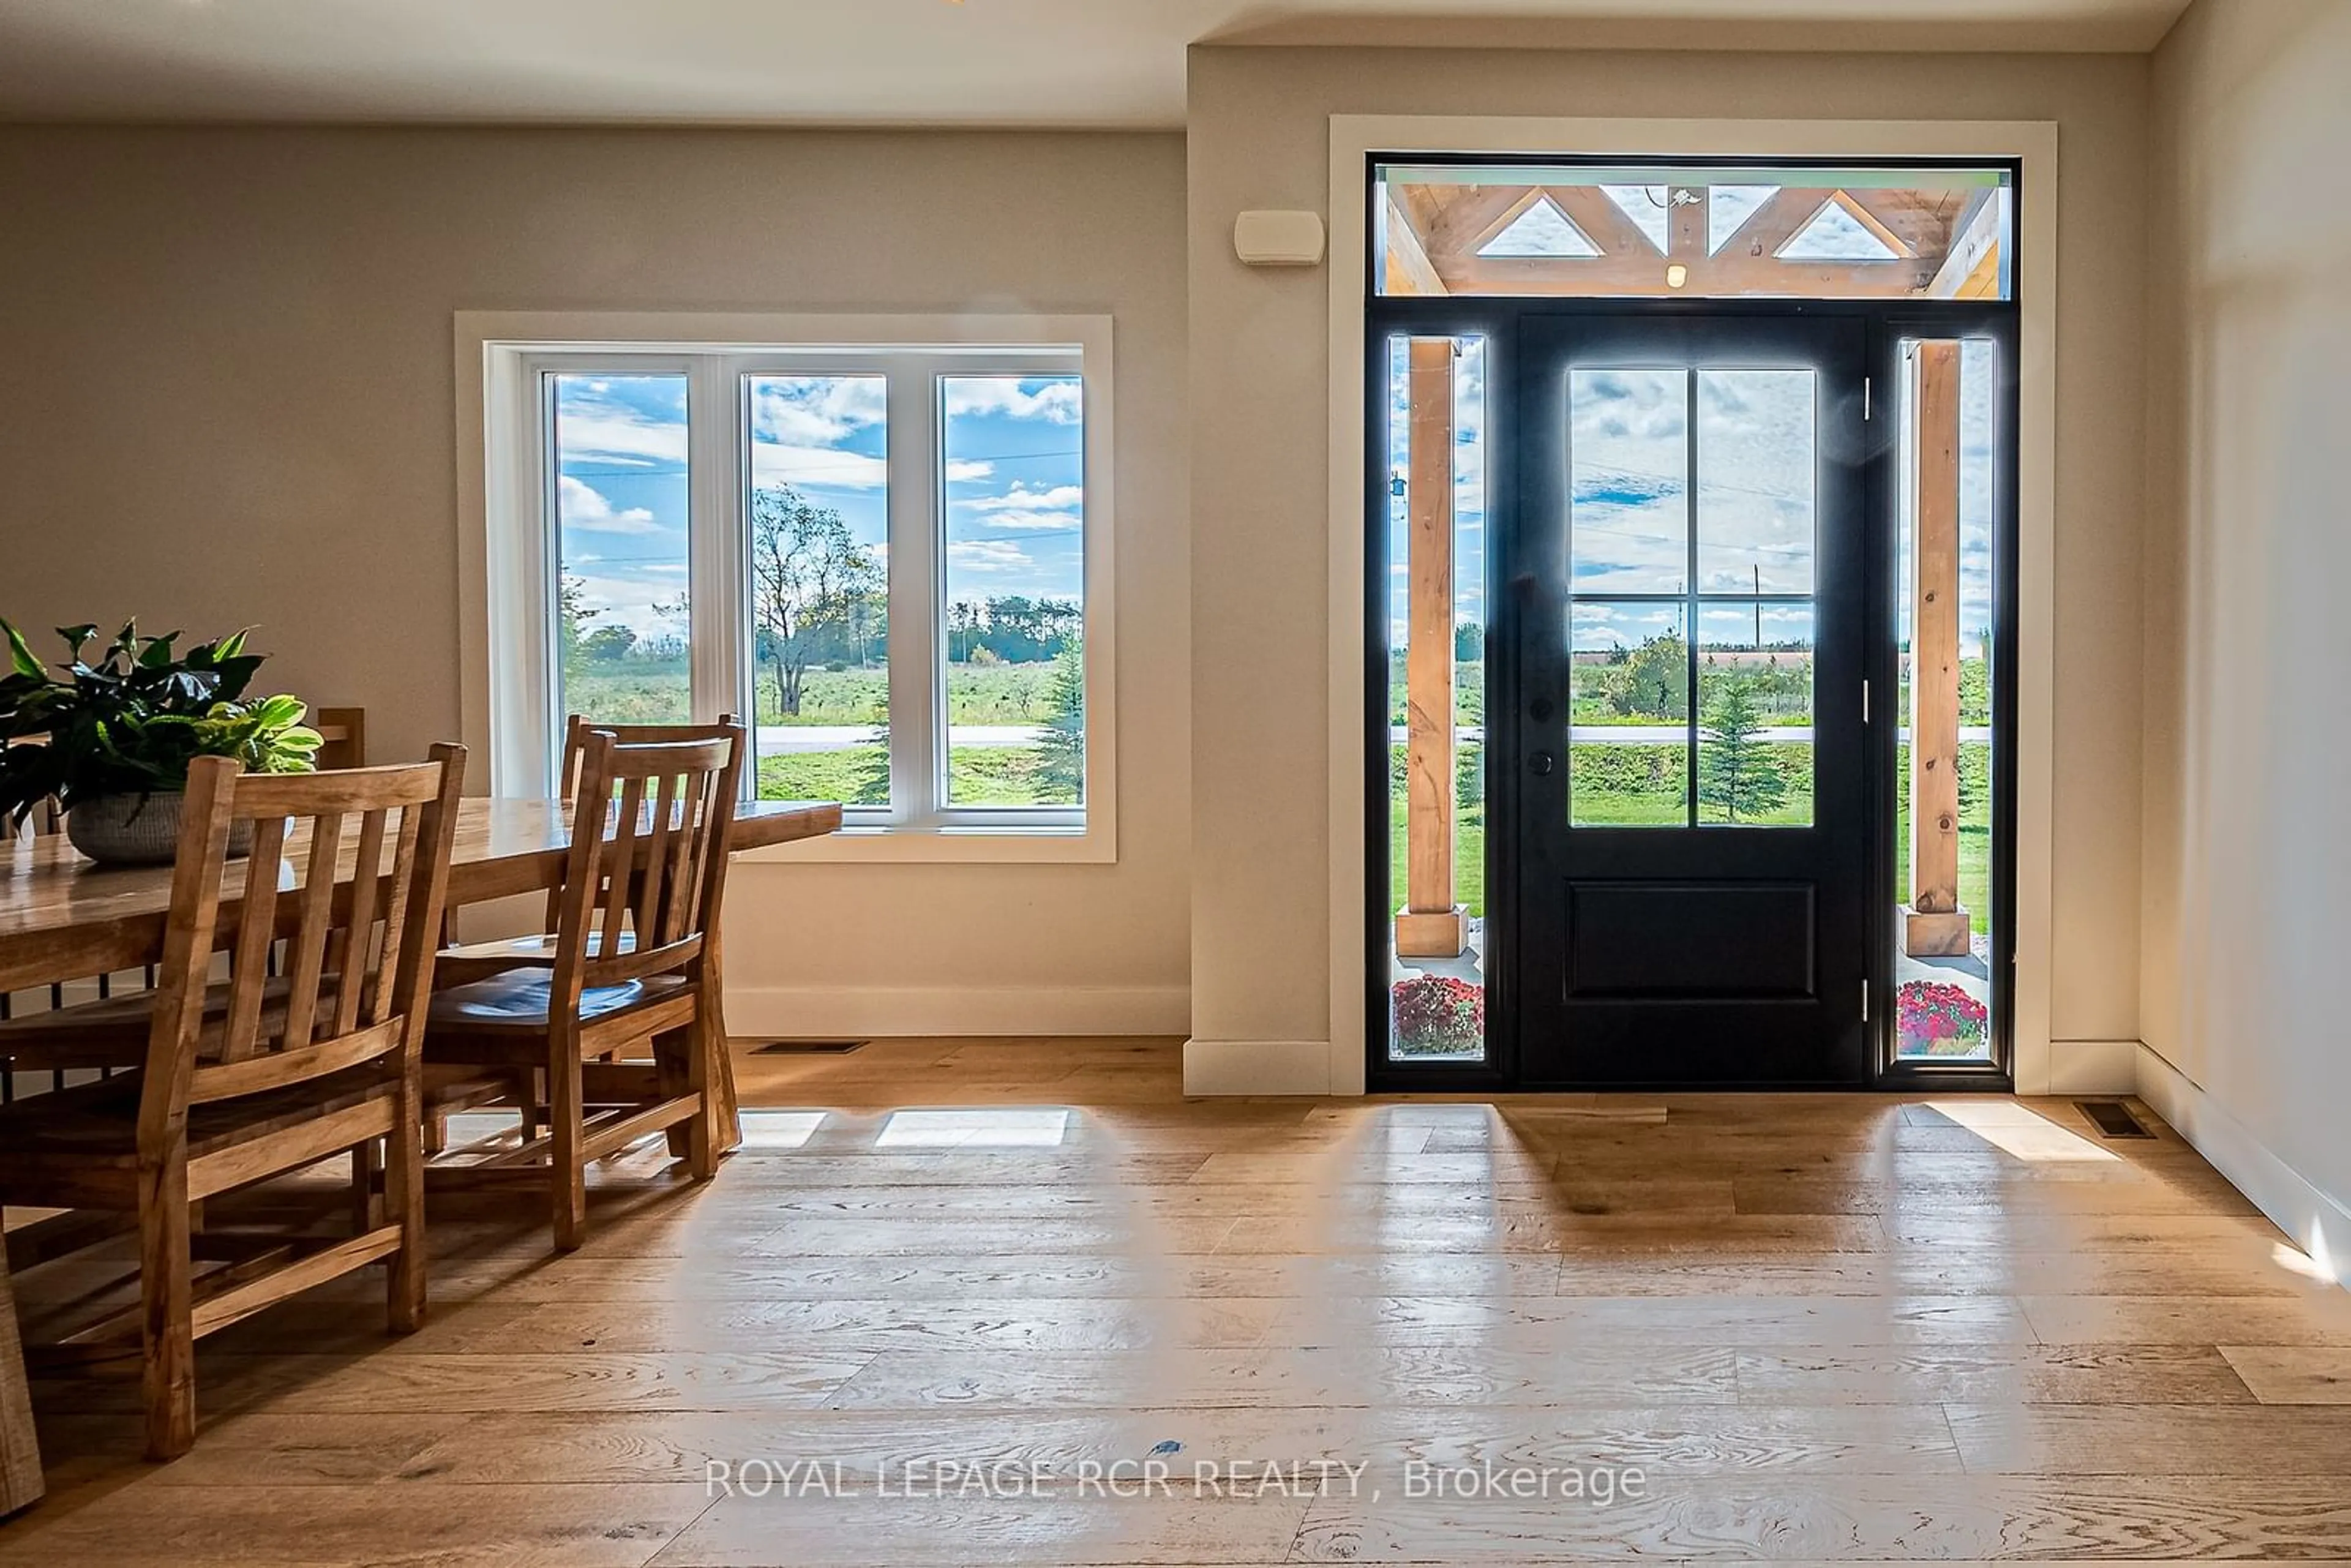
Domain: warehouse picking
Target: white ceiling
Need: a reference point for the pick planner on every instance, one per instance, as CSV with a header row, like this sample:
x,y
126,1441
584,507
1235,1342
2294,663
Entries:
x,y
858,62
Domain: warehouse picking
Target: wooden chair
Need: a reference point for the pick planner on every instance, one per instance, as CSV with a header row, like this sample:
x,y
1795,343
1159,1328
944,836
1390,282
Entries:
x,y
630,972
478,960
256,1077
463,962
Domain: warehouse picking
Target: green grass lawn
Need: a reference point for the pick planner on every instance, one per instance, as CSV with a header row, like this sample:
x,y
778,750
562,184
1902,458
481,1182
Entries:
x,y
859,776
645,691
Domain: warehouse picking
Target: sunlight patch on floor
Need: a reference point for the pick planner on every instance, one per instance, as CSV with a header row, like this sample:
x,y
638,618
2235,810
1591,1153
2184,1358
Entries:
x,y
2020,1131
779,1129
988,1127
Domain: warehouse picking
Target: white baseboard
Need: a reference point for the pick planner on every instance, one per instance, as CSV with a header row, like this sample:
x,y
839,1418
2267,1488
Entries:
x,y
1257,1067
2093,1066
2319,1222
822,1012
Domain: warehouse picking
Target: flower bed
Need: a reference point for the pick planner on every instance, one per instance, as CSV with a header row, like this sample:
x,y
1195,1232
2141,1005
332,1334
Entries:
x,y
1935,1018
1436,1015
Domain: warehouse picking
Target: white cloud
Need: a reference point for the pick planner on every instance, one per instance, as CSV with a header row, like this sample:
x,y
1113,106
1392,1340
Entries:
x,y
1059,398
987,555
582,505
1060,507
815,411
611,433
1059,499
622,601
774,462
779,463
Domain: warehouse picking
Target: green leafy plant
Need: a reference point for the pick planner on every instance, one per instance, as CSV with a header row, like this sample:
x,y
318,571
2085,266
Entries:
x,y
130,721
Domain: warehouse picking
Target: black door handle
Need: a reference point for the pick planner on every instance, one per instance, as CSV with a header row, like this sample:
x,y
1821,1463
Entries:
x,y
1541,763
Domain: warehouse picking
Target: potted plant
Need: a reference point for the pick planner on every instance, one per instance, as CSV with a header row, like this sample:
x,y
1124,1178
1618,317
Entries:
x,y
111,739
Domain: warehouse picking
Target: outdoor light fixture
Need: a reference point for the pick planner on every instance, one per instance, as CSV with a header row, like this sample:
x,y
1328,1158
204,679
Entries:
x,y
1676,275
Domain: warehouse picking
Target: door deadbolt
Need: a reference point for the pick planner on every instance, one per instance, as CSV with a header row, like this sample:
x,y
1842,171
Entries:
x,y
1541,763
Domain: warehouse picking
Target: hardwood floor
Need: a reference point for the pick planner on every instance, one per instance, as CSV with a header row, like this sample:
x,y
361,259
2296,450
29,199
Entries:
x,y
1820,1328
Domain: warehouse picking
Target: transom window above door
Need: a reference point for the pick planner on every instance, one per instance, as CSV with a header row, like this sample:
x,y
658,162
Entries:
x,y
888,553
1698,230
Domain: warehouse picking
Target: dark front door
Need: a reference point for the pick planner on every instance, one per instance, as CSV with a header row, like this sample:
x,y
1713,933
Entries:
x,y
1679,703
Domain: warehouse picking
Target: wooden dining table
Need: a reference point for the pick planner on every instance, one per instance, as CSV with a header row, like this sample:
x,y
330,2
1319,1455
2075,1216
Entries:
x,y
64,918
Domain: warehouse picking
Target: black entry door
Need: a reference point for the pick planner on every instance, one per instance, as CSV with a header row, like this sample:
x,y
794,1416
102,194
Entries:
x,y
1680,774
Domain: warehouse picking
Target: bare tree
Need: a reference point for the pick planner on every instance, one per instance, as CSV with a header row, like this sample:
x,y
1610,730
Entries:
x,y
809,577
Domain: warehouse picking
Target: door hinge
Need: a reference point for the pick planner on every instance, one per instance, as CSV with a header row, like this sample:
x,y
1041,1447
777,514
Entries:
x,y
1864,702
1865,382
1865,1001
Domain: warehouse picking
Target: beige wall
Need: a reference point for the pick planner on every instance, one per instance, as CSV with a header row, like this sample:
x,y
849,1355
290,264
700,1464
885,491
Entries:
x,y
226,396
2248,860
1258,137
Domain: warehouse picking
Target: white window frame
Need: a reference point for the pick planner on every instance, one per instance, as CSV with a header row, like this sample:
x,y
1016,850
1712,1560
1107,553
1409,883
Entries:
x,y
505,490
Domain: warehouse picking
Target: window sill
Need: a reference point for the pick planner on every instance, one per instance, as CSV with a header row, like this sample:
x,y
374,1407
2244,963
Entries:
x,y
1092,845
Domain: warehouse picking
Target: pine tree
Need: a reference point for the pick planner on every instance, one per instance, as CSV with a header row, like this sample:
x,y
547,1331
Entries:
x,y
1061,752
1735,774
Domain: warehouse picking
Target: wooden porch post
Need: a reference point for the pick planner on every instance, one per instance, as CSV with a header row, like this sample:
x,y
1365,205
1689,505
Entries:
x,y
1934,926
1430,925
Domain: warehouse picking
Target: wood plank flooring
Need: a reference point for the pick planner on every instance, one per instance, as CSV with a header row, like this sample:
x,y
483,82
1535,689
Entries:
x,y
1821,1328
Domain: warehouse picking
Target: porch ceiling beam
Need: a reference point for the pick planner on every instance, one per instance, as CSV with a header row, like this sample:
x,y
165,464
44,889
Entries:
x,y
1774,222
1474,217
1973,237
1687,222
1925,220
1859,212
1408,268
1603,223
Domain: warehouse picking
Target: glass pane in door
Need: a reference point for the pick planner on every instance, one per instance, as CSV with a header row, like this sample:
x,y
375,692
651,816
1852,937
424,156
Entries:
x,y
1628,734
1628,495
1436,777
1755,714
1943,774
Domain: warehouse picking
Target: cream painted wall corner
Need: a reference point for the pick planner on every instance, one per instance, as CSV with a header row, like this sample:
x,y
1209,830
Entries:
x,y
2319,1222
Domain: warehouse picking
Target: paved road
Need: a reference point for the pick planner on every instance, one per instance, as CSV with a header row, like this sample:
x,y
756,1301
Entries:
x,y
1661,735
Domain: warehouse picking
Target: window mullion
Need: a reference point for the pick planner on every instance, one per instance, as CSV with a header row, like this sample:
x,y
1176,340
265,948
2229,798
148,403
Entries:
x,y
915,738
713,554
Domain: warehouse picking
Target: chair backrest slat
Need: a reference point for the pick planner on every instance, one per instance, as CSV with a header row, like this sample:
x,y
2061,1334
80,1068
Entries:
x,y
382,986
317,902
257,931
361,930
359,942
650,827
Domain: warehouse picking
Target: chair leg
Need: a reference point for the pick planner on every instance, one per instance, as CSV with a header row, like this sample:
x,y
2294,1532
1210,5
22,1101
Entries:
x,y
367,1161
673,1076
566,1117
701,1129
166,1331
404,1202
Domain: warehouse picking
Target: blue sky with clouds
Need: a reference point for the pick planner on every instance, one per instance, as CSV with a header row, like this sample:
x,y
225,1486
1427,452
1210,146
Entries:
x,y
1015,476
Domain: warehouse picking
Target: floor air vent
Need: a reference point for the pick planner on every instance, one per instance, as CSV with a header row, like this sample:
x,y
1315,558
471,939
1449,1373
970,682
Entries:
x,y
807,1048
2112,1118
